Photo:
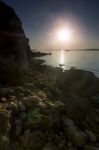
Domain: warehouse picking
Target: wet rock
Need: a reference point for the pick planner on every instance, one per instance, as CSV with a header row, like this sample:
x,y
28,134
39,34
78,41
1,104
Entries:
x,y
49,95
53,118
76,108
13,107
21,106
18,90
27,93
42,95
18,126
30,101
76,137
11,92
33,140
33,118
50,146
91,136
23,115
4,92
70,146
12,98
5,128
88,147
45,122
21,95
3,99
67,122
42,105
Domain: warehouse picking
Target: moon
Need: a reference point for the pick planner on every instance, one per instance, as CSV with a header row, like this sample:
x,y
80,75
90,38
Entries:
x,y
64,35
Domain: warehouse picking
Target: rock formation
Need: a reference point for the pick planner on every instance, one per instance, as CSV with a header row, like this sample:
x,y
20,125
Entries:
x,y
14,46
79,82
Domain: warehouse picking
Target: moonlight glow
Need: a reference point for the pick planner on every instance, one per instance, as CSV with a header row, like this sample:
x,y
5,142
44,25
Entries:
x,y
64,35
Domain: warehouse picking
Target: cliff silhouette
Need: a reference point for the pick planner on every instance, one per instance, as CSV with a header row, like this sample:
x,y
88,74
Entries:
x,y
14,45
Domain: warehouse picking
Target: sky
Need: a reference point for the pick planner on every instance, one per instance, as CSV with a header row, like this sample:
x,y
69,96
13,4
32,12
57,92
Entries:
x,y
43,19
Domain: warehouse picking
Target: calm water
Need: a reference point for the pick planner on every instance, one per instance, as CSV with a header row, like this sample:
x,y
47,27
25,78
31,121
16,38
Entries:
x,y
88,60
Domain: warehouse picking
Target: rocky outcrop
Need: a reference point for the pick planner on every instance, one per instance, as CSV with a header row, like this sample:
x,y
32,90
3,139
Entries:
x,y
78,82
12,37
14,45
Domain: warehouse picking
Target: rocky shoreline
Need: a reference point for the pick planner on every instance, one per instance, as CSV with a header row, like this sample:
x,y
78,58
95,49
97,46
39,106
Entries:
x,y
40,116
39,54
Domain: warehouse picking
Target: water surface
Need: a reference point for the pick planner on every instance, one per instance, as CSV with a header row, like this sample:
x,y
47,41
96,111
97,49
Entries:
x,y
88,60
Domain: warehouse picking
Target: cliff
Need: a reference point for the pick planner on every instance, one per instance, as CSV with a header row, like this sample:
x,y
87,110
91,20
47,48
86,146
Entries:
x,y
14,45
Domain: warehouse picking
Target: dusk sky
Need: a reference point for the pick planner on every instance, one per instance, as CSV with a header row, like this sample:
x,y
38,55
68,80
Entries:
x,y
42,19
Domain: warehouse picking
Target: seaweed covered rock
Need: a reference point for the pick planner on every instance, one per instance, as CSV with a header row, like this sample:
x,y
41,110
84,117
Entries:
x,y
14,46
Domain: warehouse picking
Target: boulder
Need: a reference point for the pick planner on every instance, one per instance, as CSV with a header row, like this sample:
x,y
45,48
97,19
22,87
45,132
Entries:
x,y
76,137
91,136
50,146
13,107
89,147
67,122
32,141
18,127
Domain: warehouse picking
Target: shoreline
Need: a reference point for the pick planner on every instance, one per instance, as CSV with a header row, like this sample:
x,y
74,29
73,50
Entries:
x,y
52,107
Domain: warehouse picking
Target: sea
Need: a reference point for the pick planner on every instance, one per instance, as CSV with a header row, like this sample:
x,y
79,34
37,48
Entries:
x,y
87,60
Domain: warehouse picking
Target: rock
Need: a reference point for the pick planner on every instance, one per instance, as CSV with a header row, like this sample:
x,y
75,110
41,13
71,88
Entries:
x,y
33,118
3,99
53,117
76,137
18,126
50,146
77,82
27,93
18,90
4,92
42,105
33,140
88,147
14,46
21,95
5,128
30,101
42,95
21,106
49,95
70,146
76,108
46,122
67,122
23,115
12,98
13,107
34,98
11,92
91,136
